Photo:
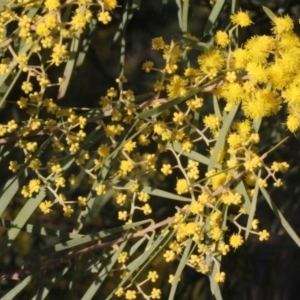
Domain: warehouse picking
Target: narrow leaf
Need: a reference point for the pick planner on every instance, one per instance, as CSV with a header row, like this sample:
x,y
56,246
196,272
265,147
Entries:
x,y
269,13
17,289
213,16
180,268
164,194
253,206
22,217
87,238
221,138
281,218
94,287
69,68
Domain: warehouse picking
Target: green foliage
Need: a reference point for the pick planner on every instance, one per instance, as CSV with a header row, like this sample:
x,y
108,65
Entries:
x,y
119,198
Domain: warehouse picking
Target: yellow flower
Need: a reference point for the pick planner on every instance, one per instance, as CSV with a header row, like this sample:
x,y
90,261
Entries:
x,y
220,277
230,76
282,167
60,182
82,201
100,189
223,248
120,292
130,295
104,17
169,255
158,43
211,61
122,215
187,145
14,166
143,196
177,87
134,187
155,293
34,185
216,233
241,18
129,146
236,240
123,257
263,235
59,54
22,102
153,276
27,87
258,72
45,206
68,210
166,169
212,121
263,103
103,150
178,118
260,54
52,4
158,86
254,224
292,123
72,179
195,104
148,66
182,186
282,24
126,167
233,92
110,4
147,210
222,39
121,198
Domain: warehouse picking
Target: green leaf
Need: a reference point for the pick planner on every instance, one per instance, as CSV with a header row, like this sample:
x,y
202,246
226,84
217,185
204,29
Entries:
x,y
280,217
179,12
44,289
7,80
141,262
241,189
164,194
18,288
216,107
253,206
256,124
213,16
269,13
194,155
12,186
171,103
69,68
83,239
200,46
167,105
136,246
182,264
94,287
38,230
22,217
221,138
214,286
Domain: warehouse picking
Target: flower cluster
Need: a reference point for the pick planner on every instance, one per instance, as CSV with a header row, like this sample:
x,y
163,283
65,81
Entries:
x,y
48,31
139,142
